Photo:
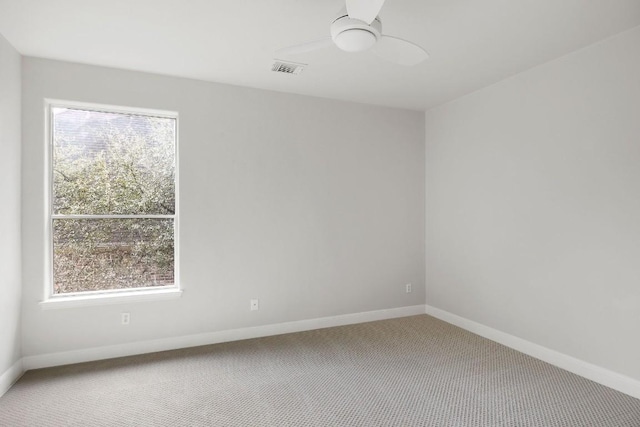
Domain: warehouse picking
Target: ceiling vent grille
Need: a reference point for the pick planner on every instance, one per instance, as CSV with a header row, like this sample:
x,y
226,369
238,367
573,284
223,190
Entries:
x,y
287,67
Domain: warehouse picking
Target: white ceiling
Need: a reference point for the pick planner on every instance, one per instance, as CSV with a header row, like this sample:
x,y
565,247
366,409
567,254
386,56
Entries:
x,y
473,43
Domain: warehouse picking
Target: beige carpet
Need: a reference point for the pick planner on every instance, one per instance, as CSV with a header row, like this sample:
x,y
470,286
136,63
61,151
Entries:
x,y
414,371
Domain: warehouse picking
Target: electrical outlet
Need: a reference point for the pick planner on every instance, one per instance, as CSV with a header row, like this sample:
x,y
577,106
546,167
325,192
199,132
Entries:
x,y
408,288
254,305
125,318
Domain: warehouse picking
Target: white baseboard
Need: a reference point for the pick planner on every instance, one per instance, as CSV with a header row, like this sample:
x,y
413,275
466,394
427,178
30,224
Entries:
x,y
587,370
10,376
130,349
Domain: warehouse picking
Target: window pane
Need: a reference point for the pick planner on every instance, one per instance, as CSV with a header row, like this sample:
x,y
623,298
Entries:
x,y
102,254
112,163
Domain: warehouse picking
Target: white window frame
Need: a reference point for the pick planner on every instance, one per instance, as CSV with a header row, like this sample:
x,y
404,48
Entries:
x,y
110,296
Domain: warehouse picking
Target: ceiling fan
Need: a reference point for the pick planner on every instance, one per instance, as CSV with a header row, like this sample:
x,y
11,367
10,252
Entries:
x,y
358,28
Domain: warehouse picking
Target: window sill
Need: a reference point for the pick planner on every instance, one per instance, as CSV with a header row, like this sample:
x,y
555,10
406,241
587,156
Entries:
x,y
113,298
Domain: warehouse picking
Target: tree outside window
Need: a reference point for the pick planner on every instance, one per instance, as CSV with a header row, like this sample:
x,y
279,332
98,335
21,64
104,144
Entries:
x,y
113,204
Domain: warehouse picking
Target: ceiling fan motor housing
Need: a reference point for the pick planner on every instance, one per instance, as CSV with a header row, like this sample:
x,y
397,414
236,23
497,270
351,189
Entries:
x,y
353,35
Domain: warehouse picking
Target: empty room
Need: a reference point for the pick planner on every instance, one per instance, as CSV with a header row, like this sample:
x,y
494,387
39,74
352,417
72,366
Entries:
x,y
320,213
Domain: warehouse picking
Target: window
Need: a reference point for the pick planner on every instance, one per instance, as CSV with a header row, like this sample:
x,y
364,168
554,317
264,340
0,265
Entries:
x,y
112,200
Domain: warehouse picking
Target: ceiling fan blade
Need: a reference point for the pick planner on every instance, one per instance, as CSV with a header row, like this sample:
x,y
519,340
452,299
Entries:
x,y
399,51
305,47
364,10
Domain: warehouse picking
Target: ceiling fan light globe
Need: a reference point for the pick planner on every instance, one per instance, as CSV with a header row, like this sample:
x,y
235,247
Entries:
x,y
355,40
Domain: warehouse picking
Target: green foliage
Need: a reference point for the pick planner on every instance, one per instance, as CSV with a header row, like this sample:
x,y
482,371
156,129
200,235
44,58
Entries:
x,y
99,254
107,164
116,170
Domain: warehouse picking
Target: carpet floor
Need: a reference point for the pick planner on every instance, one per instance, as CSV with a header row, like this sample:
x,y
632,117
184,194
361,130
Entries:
x,y
412,371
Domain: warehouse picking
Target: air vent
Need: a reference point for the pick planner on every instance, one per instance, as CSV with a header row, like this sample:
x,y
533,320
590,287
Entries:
x,y
287,67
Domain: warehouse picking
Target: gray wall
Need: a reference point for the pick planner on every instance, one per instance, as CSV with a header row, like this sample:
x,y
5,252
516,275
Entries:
x,y
10,270
533,205
316,207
